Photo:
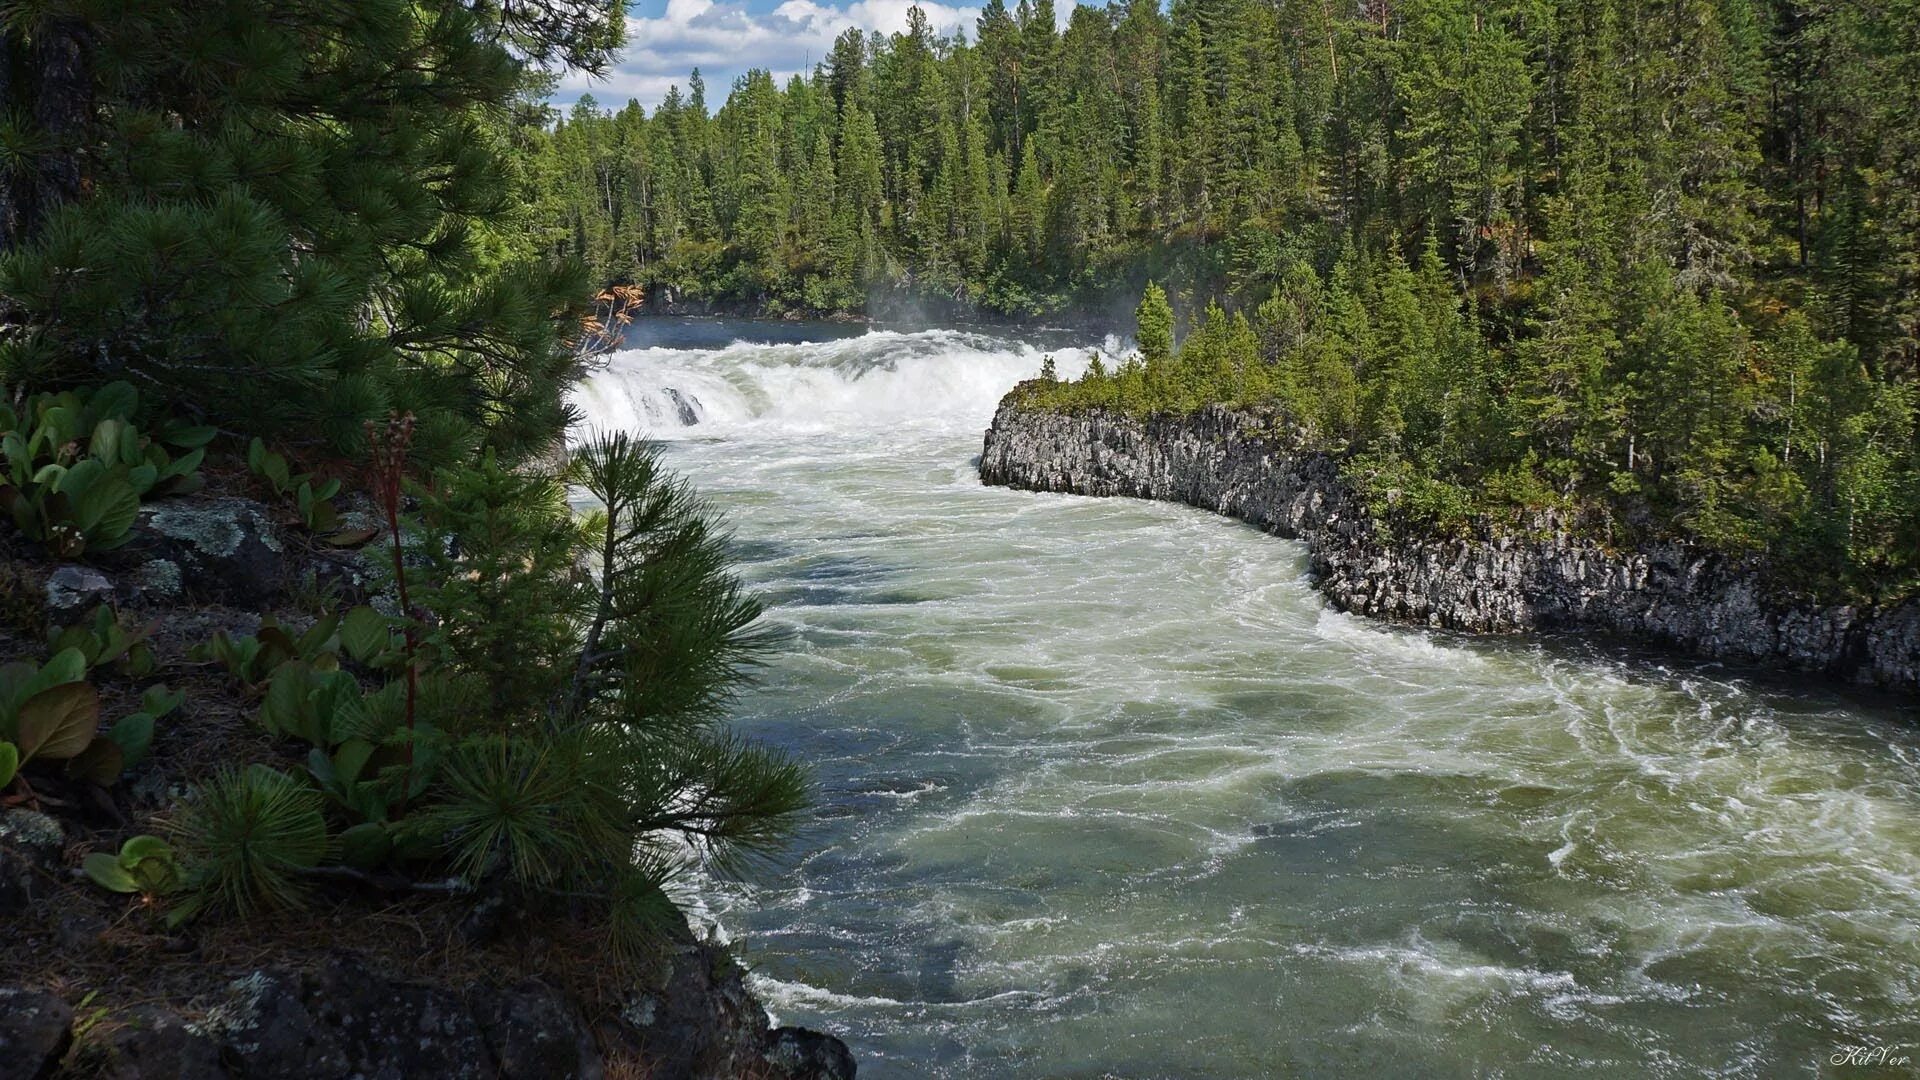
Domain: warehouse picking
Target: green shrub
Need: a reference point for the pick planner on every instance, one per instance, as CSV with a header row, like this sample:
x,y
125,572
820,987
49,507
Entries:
x,y
244,840
144,864
312,497
77,467
104,640
546,731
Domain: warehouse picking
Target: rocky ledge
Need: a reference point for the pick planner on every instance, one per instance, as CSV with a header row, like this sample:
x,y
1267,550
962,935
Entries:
x,y
344,1018
294,1009
1538,576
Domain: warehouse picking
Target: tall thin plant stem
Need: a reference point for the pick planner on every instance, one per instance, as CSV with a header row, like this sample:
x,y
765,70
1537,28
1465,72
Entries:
x,y
388,449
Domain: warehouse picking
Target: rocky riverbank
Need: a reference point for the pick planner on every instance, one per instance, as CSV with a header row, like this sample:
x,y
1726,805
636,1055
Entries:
x,y
372,978
1539,576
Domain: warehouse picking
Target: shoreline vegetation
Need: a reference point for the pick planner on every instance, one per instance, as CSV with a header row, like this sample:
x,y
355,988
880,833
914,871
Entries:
x,y
333,741
1508,573
1654,268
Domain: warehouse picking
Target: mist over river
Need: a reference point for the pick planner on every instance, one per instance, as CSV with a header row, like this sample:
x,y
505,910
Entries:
x,y
1106,790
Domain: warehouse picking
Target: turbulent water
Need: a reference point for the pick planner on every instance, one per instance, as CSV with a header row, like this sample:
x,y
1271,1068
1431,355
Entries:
x,y
1106,790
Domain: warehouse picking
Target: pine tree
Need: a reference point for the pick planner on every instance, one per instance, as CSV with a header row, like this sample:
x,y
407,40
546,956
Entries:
x,y
301,216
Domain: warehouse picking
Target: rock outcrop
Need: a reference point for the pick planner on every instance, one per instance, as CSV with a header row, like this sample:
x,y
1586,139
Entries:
x,y
203,563
1541,576
345,1019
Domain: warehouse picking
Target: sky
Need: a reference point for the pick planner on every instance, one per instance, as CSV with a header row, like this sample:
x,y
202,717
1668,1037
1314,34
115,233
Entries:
x,y
667,39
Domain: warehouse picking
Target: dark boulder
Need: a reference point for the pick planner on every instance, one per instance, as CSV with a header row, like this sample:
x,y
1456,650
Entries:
x,y
535,1035
808,1055
224,550
266,1031
151,1043
695,1018
698,1021
35,1030
395,1030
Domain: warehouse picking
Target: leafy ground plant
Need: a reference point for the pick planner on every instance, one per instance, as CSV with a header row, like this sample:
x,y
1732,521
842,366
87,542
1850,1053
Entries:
x,y
77,466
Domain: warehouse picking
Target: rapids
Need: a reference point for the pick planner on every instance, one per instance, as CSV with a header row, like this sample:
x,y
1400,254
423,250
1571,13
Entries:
x,y
1106,790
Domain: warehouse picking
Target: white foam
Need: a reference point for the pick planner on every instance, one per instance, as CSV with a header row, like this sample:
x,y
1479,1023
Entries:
x,y
937,378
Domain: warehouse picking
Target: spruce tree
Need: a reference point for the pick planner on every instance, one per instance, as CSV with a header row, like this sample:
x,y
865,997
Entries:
x,y
1154,318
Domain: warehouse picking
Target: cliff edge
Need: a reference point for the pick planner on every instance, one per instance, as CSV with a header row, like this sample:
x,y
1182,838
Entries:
x,y
1497,579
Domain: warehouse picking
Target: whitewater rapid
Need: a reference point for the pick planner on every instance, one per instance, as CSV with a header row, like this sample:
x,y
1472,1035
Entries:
x,y
933,379
1105,789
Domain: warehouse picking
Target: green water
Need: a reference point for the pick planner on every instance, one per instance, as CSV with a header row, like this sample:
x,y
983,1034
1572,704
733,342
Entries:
x,y
1107,791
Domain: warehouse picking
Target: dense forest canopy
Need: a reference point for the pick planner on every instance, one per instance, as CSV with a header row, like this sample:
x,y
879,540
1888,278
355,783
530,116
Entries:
x,y
1654,260
288,217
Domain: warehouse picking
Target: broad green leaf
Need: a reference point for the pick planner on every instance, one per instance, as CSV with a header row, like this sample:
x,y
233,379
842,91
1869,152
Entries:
x,y
365,846
108,441
67,665
106,872
158,701
141,478
351,759
186,464
188,437
58,723
9,763
142,847
59,426
316,636
117,400
363,633
321,766
80,476
286,701
106,509
134,734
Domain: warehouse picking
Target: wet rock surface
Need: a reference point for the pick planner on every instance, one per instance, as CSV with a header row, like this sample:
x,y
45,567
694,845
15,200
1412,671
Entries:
x,y
1542,577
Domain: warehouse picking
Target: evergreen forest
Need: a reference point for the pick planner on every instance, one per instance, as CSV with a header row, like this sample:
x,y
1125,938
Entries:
x,y
1651,263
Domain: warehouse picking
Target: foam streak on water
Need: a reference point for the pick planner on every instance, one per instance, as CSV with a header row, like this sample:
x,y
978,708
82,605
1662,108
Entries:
x,y
1107,791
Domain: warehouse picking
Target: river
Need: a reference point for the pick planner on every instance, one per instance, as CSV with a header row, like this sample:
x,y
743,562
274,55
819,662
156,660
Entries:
x,y
1107,791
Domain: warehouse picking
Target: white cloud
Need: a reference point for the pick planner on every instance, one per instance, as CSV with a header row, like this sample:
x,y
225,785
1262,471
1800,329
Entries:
x,y
724,40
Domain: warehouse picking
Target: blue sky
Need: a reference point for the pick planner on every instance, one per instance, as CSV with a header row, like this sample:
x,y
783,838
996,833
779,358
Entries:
x,y
667,39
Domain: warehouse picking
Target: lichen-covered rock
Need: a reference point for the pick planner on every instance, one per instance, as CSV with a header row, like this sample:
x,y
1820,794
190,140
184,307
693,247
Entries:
x,y
1538,577
74,591
30,848
35,1030
150,1043
697,1021
266,1031
223,549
